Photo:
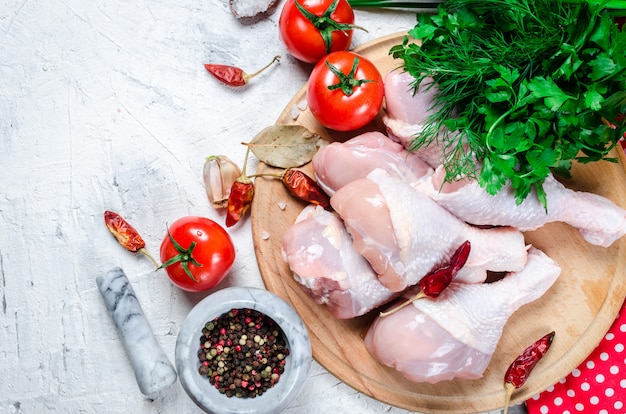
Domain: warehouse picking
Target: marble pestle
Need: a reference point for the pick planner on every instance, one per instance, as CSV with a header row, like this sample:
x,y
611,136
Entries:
x,y
153,370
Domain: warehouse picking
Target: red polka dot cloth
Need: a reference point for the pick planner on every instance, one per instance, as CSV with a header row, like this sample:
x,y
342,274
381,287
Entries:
x,y
597,386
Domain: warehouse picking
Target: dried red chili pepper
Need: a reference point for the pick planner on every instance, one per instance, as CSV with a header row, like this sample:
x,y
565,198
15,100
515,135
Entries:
x,y
519,370
305,188
126,234
436,282
239,200
240,197
232,75
439,279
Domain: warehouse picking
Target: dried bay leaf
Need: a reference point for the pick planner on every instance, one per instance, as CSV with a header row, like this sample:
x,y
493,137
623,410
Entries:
x,y
285,146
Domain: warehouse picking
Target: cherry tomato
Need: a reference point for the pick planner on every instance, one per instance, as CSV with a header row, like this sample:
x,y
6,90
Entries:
x,y
345,91
316,29
197,253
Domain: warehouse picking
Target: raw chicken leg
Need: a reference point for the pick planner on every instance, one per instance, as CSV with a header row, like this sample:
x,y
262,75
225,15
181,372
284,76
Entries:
x,y
598,219
406,113
319,252
455,335
400,101
339,163
404,234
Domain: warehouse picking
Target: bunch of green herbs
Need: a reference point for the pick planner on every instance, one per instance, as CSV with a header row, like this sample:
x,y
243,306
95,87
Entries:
x,y
525,87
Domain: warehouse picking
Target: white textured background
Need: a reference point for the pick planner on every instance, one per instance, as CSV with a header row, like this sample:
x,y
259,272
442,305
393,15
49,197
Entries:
x,y
106,105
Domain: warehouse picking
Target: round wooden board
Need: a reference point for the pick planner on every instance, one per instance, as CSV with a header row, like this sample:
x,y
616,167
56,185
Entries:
x,y
580,306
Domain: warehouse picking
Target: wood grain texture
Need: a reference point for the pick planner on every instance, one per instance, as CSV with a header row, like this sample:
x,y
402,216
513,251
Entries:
x,y
580,306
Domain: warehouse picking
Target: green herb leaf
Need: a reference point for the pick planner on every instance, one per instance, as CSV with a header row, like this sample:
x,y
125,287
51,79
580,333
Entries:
x,y
602,66
593,99
554,96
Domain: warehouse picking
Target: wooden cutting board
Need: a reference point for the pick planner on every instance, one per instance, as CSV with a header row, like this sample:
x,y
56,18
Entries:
x,y
580,306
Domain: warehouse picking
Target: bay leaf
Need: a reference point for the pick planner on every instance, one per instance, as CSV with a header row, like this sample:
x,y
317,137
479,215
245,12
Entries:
x,y
285,146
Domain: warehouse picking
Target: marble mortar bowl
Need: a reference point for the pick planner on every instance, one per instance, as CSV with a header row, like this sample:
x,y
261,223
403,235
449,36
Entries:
x,y
297,363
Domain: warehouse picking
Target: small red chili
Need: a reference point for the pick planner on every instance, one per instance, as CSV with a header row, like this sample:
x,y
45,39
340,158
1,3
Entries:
x,y
232,75
460,256
240,197
519,370
126,235
305,188
239,200
435,282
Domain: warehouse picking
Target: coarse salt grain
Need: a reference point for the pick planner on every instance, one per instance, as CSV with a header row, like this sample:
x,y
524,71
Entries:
x,y
303,104
295,112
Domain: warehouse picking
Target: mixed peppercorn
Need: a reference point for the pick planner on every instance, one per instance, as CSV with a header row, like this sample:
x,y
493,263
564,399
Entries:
x,y
242,352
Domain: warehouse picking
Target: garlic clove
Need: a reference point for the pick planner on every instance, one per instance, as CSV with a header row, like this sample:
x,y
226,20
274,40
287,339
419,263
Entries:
x,y
219,173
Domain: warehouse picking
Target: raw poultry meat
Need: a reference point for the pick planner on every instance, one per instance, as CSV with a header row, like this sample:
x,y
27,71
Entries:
x,y
406,113
319,252
339,163
403,233
400,101
599,220
455,335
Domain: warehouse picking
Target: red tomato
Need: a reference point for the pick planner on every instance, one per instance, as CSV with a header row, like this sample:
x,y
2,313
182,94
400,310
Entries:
x,y
304,40
201,246
347,100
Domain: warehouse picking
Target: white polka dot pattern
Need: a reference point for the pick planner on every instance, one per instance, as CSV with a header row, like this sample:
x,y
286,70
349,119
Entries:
x,y
598,385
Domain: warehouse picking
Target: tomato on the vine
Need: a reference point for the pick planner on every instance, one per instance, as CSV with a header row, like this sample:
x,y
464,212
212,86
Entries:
x,y
197,253
311,29
345,91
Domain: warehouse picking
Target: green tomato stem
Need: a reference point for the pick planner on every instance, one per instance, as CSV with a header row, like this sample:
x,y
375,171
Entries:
x,y
184,256
348,82
325,23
